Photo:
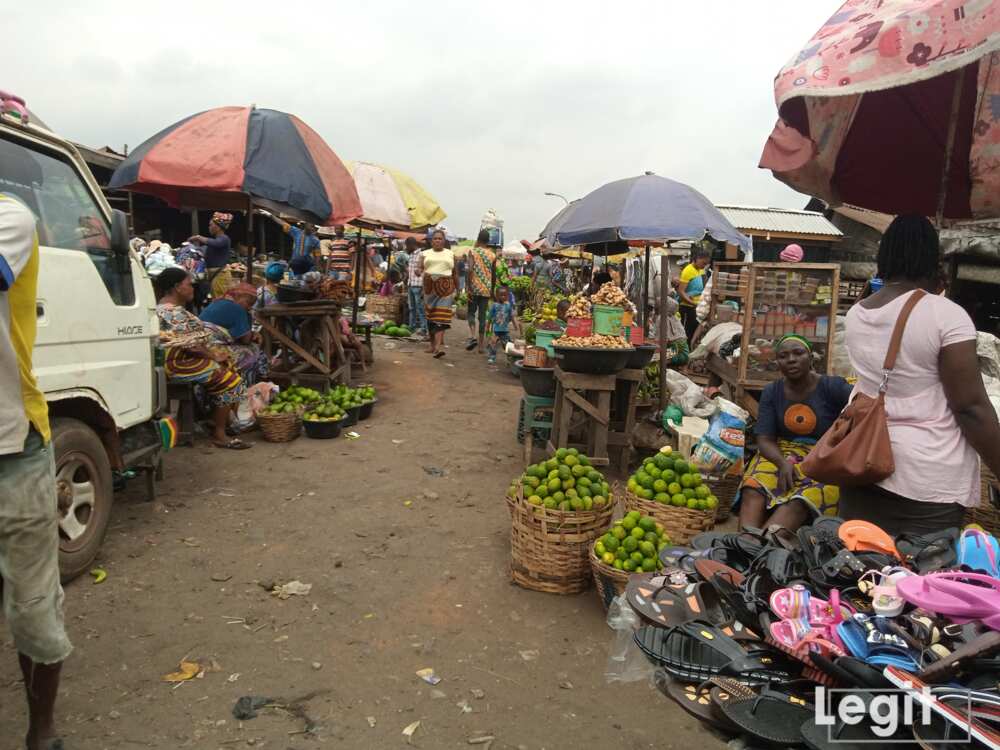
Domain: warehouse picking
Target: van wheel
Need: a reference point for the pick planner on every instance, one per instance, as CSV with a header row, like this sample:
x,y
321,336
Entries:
x,y
84,491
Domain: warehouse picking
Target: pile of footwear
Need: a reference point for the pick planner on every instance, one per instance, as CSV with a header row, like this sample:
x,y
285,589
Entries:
x,y
744,628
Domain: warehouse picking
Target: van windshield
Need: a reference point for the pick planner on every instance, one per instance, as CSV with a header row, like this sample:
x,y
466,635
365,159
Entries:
x,y
67,215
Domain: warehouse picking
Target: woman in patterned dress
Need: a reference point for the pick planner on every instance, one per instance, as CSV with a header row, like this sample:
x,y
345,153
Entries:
x,y
794,413
193,358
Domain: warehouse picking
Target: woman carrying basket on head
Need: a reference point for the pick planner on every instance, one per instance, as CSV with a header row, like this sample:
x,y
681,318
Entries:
x,y
440,282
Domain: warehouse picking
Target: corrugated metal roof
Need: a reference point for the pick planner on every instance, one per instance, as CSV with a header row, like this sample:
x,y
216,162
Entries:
x,y
779,220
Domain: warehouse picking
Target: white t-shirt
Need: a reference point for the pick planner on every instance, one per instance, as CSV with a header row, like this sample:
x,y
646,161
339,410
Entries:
x,y
934,461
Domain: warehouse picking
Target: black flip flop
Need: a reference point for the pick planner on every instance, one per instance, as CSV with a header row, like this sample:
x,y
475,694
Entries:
x,y
843,736
471,345
438,355
696,651
775,714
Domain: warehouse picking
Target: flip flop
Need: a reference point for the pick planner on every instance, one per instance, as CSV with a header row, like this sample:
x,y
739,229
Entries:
x,y
709,569
919,691
233,445
695,651
775,714
957,595
666,600
695,700
438,355
844,736
978,551
862,536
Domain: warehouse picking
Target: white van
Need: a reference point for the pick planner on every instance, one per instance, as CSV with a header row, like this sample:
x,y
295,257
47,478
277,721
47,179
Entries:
x,y
94,355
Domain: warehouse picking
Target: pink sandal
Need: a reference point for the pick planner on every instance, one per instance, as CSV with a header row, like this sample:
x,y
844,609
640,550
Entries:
x,y
796,603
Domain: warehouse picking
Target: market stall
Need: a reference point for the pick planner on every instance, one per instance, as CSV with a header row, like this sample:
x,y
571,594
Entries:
x,y
770,300
204,162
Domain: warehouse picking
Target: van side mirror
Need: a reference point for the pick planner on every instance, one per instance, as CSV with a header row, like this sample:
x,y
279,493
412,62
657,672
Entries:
x,y
119,233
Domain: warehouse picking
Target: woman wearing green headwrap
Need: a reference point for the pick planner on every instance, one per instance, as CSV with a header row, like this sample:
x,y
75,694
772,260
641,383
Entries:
x,y
794,412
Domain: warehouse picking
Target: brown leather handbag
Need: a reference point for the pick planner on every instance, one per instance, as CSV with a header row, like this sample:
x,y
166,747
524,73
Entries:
x,y
856,450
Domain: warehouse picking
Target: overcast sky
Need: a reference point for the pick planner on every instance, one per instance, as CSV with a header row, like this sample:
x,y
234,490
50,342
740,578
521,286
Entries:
x,y
488,105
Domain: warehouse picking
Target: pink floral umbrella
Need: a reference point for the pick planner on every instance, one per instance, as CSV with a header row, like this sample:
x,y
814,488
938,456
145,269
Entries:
x,y
894,106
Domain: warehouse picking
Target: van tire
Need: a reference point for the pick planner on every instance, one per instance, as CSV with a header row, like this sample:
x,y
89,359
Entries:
x,y
83,485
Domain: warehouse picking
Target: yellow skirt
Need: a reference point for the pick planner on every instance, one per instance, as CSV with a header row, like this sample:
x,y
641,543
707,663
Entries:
x,y
762,475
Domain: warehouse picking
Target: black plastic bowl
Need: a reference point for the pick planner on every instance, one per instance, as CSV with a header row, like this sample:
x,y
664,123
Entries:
x,y
537,381
641,356
322,430
289,293
512,361
592,361
352,417
366,409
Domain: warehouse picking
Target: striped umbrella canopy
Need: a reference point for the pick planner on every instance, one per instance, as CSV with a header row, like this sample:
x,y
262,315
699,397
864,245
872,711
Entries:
x,y
390,198
227,157
894,106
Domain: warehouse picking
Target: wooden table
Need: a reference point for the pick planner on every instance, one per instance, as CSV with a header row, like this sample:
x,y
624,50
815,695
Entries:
x,y
309,338
590,398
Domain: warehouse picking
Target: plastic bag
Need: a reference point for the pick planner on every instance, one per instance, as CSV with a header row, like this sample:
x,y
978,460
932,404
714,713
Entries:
x,y
626,663
688,396
257,398
722,445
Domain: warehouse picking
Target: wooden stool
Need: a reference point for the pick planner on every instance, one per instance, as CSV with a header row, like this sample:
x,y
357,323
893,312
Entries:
x,y
536,414
591,395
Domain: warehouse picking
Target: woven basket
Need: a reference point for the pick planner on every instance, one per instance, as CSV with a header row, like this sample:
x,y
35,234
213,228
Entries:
x,y
462,312
724,488
681,524
280,428
608,580
386,306
986,514
550,549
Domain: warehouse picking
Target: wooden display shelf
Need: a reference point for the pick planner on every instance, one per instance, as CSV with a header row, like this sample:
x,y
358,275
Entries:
x,y
763,289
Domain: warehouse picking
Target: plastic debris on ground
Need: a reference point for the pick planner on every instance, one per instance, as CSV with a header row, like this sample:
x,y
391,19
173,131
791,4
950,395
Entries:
x,y
428,676
290,589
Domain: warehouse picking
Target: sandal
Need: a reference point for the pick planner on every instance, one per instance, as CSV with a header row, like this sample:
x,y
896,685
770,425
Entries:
x,y
978,551
984,646
695,700
862,536
695,651
438,355
234,445
929,552
865,641
919,690
775,714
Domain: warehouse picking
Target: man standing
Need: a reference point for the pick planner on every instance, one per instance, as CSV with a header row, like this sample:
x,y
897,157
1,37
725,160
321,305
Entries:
x,y
415,284
304,239
341,255
29,531
482,270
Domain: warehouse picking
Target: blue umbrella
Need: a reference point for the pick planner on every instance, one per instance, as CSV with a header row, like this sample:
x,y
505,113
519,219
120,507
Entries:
x,y
647,207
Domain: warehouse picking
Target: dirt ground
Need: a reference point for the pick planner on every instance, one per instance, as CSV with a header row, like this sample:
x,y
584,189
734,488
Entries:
x,y
408,570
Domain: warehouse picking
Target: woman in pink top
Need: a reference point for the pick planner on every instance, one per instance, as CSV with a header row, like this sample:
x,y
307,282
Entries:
x,y
939,415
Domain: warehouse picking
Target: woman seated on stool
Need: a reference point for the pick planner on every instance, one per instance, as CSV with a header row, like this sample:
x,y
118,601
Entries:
x,y
794,413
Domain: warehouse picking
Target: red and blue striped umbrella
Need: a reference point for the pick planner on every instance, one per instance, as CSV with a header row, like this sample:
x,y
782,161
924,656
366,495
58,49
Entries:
x,y
225,157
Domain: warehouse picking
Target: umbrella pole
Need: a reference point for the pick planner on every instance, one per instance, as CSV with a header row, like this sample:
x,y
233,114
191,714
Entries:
x,y
249,274
956,101
645,293
357,280
662,340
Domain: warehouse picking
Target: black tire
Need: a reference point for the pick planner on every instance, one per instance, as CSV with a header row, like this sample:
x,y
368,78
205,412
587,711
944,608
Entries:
x,y
82,471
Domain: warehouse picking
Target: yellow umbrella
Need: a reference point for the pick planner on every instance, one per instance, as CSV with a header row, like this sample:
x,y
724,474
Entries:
x,y
392,198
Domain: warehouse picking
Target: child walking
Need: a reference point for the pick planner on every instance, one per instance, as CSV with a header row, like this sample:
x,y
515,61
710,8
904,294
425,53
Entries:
x,y
500,318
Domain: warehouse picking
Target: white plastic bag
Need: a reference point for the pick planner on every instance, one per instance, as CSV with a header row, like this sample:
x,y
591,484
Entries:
x,y
256,400
626,663
688,395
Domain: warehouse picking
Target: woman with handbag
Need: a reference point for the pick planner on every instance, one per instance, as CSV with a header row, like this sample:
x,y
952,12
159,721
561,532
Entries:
x,y
936,411
795,411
